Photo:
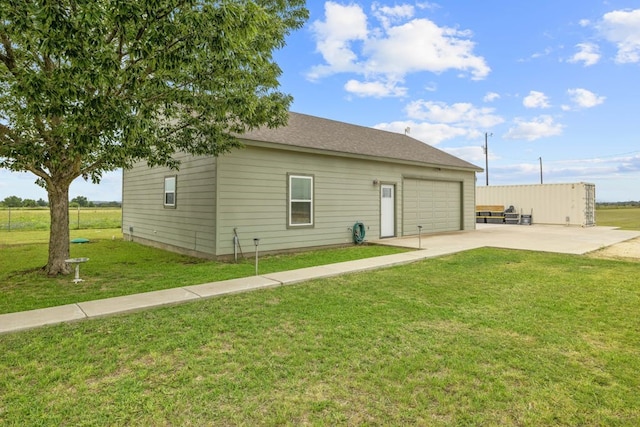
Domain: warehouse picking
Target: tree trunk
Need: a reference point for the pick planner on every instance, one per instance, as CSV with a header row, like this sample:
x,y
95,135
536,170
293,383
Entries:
x,y
59,234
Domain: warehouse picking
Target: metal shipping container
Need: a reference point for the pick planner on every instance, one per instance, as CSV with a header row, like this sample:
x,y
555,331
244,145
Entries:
x,y
565,204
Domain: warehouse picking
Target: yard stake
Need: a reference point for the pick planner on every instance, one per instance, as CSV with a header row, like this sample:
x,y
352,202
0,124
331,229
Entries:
x,y
255,242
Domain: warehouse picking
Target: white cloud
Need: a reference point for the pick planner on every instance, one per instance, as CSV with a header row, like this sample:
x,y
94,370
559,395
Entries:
x,y
491,96
388,15
460,114
546,52
620,162
474,154
539,127
611,175
386,53
375,89
428,5
430,133
622,27
342,26
584,98
440,49
609,167
588,54
431,87
435,122
536,99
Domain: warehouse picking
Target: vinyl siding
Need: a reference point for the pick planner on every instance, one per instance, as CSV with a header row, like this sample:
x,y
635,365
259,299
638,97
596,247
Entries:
x,y
247,190
252,197
190,226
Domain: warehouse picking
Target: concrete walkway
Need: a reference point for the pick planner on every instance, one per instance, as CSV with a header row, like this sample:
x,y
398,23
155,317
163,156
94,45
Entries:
x,y
570,240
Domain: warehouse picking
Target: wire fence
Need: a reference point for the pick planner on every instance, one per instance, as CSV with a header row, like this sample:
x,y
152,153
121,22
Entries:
x,y
27,219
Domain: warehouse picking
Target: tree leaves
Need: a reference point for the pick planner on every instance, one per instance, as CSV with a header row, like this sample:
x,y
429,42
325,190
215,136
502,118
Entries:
x,y
88,86
111,82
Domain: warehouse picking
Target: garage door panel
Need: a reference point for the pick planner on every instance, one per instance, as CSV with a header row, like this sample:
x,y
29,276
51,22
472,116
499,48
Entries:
x,y
435,205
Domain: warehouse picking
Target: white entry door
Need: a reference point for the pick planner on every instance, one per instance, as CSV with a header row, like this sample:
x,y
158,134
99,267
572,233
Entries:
x,y
387,211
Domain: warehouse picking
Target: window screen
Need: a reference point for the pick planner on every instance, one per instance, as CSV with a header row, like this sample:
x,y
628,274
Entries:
x,y
300,200
170,191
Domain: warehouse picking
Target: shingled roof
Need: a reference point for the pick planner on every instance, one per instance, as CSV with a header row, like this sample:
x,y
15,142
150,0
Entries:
x,y
316,133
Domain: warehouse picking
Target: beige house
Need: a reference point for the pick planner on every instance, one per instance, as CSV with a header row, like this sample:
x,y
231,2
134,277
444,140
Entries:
x,y
298,187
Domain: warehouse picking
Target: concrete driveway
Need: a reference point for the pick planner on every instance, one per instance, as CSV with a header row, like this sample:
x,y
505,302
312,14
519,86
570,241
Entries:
x,y
545,238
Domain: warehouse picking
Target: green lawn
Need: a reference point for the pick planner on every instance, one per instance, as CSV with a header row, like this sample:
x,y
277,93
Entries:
x,y
117,267
485,337
627,218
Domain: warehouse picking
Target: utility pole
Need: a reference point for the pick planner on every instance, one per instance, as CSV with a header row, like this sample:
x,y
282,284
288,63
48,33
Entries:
x,y
540,158
486,155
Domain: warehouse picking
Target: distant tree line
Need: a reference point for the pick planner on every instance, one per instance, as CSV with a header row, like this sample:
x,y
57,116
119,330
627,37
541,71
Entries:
x,y
628,204
81,201
17,202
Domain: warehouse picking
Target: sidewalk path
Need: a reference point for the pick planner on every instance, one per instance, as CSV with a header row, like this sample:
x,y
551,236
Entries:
x,y
572,240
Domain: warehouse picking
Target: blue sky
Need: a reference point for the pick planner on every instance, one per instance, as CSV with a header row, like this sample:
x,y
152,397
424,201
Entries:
x,y
547,79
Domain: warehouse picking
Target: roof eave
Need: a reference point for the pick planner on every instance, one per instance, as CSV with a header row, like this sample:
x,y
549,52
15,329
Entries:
x,y
287,147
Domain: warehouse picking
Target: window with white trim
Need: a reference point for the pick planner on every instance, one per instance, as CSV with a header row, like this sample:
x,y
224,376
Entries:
x,y
300,200
170,191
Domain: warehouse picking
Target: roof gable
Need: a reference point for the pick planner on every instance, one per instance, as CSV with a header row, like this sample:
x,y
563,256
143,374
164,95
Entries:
x,y
329,135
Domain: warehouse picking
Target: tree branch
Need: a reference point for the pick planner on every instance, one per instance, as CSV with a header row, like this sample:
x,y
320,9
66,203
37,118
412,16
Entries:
x,y
97,165
120,47
8,59
48,64
7,131
112,34
39,172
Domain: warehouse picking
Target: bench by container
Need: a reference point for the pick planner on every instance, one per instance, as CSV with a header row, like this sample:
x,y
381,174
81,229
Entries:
x,y
490,214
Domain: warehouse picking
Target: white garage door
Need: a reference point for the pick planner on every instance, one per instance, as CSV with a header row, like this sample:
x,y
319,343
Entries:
x,y
435,205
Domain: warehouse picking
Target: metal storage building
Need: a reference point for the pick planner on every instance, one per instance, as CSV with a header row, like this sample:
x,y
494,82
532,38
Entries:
x,y
565,204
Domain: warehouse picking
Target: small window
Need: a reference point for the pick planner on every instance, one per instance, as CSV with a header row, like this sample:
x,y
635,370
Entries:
x,y
170,191
300,200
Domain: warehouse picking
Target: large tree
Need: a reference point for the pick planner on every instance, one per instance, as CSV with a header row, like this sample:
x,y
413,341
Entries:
x,y
89,86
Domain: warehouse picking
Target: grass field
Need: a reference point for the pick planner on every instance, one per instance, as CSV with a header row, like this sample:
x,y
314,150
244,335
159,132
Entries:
x,y
23,219
627,218
485,337
117,267
121,268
